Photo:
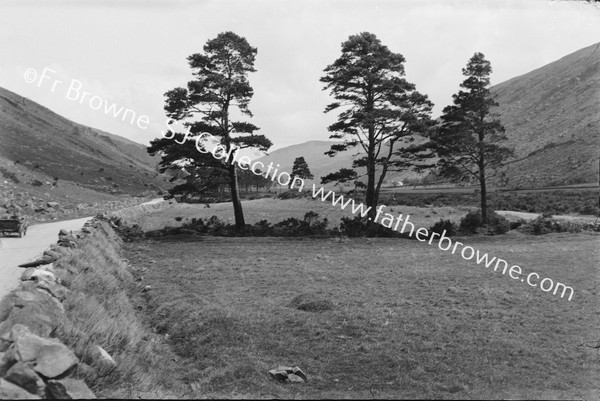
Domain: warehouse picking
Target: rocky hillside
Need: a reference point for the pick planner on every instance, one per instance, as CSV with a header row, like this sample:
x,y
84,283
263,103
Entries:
x,y
552,119
52,168
43,142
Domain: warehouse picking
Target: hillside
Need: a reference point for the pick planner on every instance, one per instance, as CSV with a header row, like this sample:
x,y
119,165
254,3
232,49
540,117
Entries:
x,y
318,162
43,142
552,119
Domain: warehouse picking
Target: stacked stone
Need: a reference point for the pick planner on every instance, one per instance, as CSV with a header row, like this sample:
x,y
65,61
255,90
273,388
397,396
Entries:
x,y
32,364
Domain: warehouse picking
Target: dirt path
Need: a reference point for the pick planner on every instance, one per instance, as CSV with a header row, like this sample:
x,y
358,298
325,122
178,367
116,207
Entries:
x,y
532,216
15,251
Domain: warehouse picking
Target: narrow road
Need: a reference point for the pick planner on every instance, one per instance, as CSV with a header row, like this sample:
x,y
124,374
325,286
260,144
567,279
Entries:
x,y
15,251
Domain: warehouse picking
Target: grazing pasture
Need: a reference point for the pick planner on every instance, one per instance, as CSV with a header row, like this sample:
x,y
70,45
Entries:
x,y
274,210
380,317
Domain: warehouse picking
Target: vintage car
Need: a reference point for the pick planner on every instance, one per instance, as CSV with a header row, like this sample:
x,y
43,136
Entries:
x,y
14,225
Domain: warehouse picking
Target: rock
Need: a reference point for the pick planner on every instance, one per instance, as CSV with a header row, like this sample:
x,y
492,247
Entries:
x,y
44,260
54,289
28,273
286,373
310,303
27,345
69,389
85,372
63,232
54,360
36,310
298,372
7,359
10,391
279,374
294,378
53,204
23,376
32,273
97,356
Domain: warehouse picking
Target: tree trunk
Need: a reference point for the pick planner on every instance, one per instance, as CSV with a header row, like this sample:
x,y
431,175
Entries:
x,y
371,198
484,216
371,195
238,212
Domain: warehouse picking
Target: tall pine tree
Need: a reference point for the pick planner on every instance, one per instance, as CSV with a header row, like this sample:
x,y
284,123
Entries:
x,y
379,110
469,136
220,86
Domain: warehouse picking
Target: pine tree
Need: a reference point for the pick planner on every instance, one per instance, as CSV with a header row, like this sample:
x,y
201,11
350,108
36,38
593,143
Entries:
x,y
300,169
468,139
220,86
380,110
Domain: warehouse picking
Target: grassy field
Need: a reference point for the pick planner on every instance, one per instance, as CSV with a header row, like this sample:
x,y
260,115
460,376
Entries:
x,y
153,217
407,320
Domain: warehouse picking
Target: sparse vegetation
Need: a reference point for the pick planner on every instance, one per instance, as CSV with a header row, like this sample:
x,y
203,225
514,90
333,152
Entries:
x,y
9,174
101,309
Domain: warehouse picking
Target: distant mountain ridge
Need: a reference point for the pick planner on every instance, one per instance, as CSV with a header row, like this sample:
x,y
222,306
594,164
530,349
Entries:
x,y
37,138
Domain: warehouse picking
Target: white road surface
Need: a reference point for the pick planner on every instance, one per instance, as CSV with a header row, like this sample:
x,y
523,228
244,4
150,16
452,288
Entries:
x,y
15,250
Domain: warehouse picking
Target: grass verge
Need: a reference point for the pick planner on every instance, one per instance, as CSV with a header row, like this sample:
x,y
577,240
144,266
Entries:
x,y
100,309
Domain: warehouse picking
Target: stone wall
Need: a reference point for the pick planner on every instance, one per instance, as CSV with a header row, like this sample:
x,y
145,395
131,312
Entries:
x,y
33,363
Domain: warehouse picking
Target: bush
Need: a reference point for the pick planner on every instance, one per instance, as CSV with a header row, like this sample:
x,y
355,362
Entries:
x,y
471,222
497,224
291,194
360,227
37,183
443,225
544,225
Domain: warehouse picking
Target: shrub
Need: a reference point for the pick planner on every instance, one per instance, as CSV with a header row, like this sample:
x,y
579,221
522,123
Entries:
x,y
471,222
291,194
544,225
443,225
37,183
497,224
359,227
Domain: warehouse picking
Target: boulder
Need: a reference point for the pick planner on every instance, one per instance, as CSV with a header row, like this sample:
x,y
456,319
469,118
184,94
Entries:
x,y
54,360
288,374
7,359
27,274
44,260
63,232
36,310
23,376
32,273
10,391
54,289
27,345
85,372
97,356
53,205
70,389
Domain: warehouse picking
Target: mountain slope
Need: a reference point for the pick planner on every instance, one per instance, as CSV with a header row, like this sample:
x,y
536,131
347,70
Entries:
x,y
552,119
42,141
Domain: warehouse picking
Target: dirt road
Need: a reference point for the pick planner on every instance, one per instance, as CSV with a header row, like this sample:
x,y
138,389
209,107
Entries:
x,y
15,251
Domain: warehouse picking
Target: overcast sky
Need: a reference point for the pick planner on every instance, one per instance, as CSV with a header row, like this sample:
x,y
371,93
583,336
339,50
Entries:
x,y
130,54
